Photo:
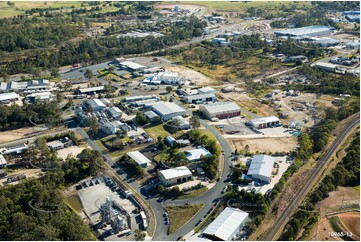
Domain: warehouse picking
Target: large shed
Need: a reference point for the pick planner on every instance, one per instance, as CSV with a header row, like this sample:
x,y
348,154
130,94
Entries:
x,y
264,122
175,175
261,168
139,158
220,110
227,225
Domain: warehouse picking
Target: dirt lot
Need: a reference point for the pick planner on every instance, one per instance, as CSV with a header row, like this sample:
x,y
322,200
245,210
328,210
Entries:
x,y
29,173
192,75
299,108
72,150
344,197
182,6
285,144
16,134
351,221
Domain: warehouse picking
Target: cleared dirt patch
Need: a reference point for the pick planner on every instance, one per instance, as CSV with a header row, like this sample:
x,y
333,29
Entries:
x,y
192,75
351,221
16,134
72,150
267,144
343,198
28,173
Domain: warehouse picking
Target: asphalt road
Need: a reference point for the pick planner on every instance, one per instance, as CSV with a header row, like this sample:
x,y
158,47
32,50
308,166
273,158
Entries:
x,y
304,189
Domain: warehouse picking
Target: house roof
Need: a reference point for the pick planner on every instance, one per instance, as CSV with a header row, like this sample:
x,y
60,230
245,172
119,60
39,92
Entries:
x,y
224,226
138,157
261,165
196,154
221,107
165,108
180,171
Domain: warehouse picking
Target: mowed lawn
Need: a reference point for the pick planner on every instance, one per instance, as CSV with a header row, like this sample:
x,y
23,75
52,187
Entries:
x,y
157,130
180,215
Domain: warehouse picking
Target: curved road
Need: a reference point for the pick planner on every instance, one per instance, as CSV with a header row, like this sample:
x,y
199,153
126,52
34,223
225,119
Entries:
x,y
282,221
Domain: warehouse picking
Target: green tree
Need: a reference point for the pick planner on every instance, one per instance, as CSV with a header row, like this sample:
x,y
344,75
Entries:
x,y
93,125
88,74
194,122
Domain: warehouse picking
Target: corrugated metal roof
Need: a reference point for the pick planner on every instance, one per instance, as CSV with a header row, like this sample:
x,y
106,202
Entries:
x,y
261,165
132,65
138,157
224,226
8,96
95,103
114,111
221,107
166,108
176,172
263,120
92,89
196,154
303,30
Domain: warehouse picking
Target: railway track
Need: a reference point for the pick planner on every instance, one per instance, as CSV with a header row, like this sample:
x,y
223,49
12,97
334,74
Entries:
x,y
282,221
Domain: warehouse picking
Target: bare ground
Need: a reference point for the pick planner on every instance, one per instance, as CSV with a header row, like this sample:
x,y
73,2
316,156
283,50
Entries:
x,y
16,134
192,75
285,144
351,221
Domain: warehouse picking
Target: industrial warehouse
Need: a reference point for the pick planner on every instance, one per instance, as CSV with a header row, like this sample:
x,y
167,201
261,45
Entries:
x,y
261,168
266,122
312,31
168,110
139,158
175,175
227,225
220,110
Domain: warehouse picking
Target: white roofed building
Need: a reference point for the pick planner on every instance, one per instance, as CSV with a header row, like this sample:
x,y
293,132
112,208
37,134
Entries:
x,y
95,104
8,97
90,90
2,161
175,175
261,168
139,158
168,110
182,123
227,225
220,110
204,94
197,154
264,122
115,112
113,127
132,66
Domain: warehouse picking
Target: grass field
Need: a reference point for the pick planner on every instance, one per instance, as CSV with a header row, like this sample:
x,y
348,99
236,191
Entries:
x,y
156,131
194,193
21,7
180,215
243,6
